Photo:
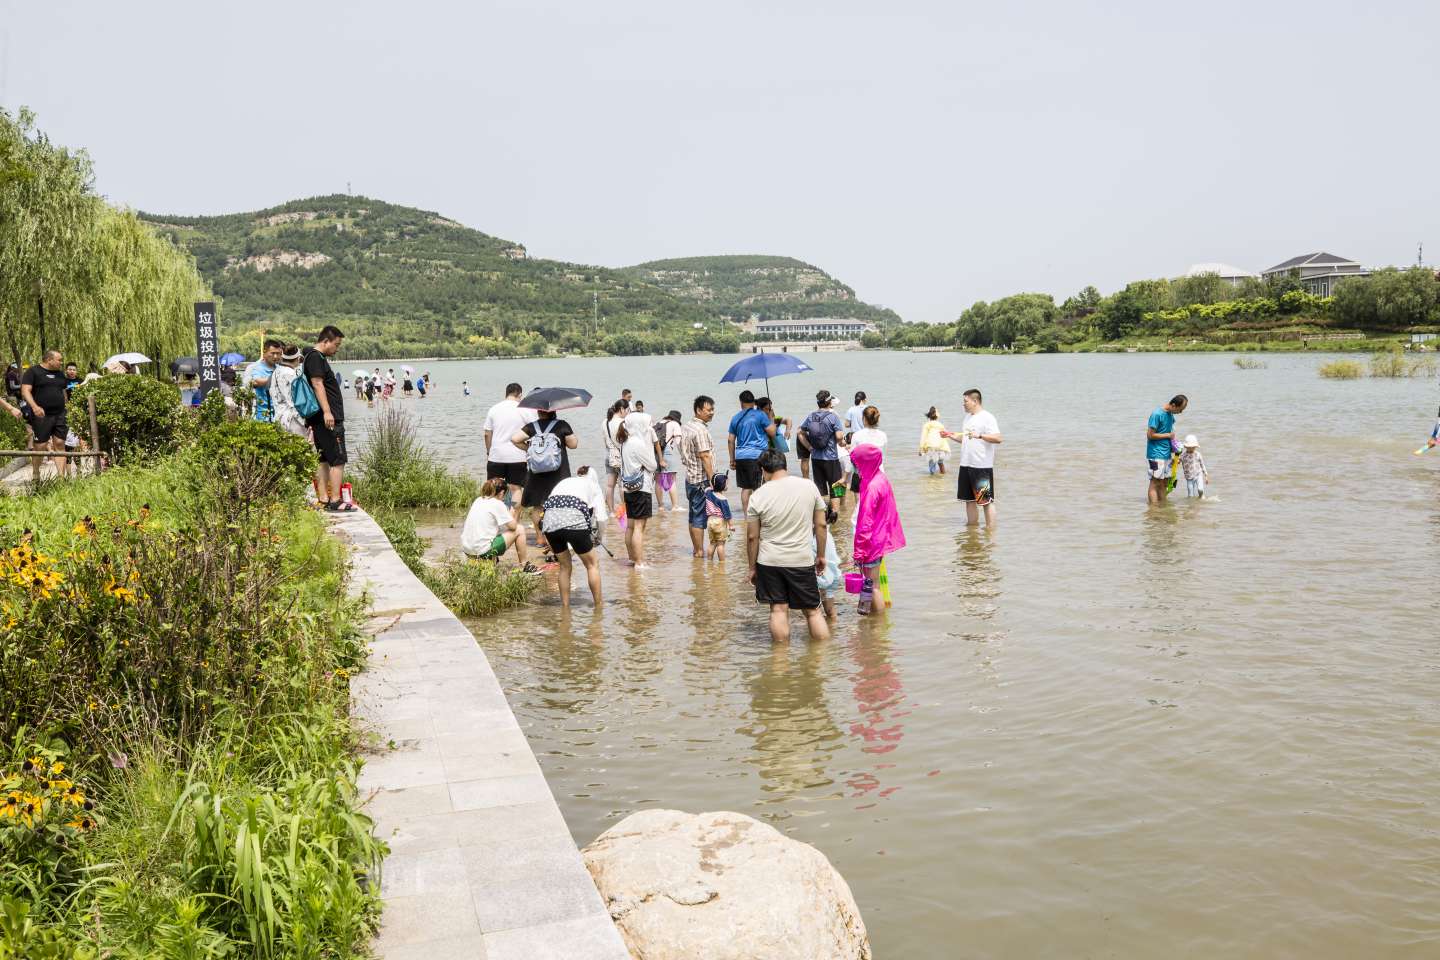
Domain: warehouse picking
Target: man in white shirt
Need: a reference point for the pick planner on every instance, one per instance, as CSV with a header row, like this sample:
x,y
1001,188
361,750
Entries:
x,y
979,436
503,458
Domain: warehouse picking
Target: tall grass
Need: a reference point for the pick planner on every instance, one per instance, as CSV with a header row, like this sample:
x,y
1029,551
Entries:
x,y
478,588
395,470
1394,364
1246,363
1342,370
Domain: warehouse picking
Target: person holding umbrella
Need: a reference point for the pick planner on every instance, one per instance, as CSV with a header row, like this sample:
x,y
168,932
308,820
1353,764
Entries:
x,y
547,443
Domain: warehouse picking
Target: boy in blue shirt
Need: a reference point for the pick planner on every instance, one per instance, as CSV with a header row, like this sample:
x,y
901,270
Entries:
x,y
1159,434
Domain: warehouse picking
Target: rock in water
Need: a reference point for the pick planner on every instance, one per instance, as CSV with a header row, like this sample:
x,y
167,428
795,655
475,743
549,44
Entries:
x,y
722,886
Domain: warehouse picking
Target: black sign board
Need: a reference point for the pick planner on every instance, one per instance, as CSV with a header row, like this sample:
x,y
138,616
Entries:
x,y
207,346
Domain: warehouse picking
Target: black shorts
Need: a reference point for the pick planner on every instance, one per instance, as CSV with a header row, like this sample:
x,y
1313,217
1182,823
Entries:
x,y
747,474
855,481
330,444
972,479
802,452
48,428
639,505
793,586
578,540
512,473
824,473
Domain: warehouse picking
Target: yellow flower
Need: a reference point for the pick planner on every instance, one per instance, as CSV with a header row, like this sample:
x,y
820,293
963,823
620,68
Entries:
x,y
33,765
82,822
10,804
56,768
74,794
32,808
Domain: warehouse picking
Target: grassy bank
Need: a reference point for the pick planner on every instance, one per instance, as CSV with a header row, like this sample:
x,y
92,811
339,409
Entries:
x,y
396,475
177,771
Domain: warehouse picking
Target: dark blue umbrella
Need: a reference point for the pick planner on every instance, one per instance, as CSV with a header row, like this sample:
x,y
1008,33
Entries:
x,y
231,359
764,366
555,398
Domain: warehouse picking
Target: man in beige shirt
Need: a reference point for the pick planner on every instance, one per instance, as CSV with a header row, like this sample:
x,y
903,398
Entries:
x,y
785,541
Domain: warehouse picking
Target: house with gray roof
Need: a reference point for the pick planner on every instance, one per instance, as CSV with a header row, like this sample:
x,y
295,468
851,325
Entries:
x,y
1318,272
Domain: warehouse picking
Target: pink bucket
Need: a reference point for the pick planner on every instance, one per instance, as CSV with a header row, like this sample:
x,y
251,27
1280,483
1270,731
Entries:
x,y
854,582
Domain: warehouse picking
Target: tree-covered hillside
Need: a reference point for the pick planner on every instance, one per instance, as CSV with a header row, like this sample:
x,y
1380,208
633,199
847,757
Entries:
x,y
759,287
407,282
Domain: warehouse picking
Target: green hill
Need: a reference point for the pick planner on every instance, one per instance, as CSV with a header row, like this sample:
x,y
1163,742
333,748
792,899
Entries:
x,y
759,287
406,282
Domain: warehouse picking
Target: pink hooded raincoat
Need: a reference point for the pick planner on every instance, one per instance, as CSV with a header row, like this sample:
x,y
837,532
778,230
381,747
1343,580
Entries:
x,y
877,521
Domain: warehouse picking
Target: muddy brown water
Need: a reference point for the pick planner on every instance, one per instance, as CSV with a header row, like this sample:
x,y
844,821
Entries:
x,y
1103,730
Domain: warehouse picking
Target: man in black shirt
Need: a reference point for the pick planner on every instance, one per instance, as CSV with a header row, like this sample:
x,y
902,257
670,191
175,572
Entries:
x,y
328,424
43,388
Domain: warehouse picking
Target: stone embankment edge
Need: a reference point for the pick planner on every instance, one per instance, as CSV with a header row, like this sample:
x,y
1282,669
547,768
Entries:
x,y
481,864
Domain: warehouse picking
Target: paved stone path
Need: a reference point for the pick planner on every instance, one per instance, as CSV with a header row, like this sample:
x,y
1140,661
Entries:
x,y
481,863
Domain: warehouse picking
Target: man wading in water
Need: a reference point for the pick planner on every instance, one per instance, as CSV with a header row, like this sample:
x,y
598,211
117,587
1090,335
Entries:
x,y
1159,431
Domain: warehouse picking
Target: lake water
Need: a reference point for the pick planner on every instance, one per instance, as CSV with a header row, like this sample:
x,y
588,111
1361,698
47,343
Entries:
x,y
1106,730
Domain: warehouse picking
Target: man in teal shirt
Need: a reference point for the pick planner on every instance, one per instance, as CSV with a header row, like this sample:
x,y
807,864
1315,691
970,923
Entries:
x,y
1159,432
257,378
749,436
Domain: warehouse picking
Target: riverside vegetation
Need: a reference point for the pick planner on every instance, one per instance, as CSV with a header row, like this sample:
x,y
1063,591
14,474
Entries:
x,y
178,774
395,475
1194,313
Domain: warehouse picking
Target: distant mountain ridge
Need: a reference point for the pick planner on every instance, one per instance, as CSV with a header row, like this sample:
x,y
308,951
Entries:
x,y
753,286
407,282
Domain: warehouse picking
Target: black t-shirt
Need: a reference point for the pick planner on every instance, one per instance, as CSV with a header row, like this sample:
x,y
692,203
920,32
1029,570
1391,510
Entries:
x,y
318,365
561,430
47,387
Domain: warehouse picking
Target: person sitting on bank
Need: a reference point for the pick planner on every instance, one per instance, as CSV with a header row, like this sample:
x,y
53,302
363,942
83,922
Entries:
x,y
490,528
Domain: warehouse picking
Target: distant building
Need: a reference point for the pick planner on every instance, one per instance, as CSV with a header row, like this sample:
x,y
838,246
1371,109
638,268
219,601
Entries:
x,y
516,252
1231,275
1319,272
821,327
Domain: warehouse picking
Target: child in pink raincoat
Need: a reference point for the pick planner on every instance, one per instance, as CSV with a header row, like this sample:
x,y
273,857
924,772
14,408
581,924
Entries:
x,y
877,521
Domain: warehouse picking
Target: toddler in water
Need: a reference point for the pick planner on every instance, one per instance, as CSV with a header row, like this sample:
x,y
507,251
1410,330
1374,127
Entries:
x,y
717,518
829,581
1193,464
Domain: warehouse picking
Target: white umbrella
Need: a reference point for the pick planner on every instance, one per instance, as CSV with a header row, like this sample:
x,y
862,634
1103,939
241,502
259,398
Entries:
x,y
409,371
130,358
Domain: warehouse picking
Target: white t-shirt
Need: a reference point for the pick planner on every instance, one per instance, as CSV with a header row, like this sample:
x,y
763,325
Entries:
x,y
785,510
978,453
487,515
504,420
870,435
585,489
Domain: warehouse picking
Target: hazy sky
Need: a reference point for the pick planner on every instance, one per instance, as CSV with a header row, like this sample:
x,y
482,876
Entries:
x,y
928,154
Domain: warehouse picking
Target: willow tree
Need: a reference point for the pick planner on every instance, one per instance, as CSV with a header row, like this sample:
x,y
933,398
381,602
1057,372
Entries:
x,y
108,282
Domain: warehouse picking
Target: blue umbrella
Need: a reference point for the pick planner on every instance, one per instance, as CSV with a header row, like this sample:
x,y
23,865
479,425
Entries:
x,y
231,359
764,366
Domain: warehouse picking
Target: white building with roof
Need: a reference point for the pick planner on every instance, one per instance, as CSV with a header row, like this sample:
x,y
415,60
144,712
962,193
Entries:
x,y
823,328
1230,274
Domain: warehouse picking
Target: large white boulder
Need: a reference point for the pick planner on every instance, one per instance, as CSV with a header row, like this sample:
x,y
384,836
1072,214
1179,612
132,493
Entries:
x,y
722,886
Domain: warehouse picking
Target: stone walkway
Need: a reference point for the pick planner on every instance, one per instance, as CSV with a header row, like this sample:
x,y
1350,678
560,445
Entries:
x,y
481,863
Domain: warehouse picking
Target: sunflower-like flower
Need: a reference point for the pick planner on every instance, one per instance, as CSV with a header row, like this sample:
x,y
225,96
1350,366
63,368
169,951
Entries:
x,y
10,805
82,822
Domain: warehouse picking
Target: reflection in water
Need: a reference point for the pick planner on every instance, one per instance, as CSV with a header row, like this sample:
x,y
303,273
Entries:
x,y
976,576
790,721
879,701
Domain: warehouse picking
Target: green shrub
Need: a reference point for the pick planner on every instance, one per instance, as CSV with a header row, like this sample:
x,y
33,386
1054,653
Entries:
x,y
138,417
395,470
247,451
477,588
1245,363
1341,370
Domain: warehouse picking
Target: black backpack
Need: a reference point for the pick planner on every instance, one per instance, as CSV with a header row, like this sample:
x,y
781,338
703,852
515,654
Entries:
x,y
819,431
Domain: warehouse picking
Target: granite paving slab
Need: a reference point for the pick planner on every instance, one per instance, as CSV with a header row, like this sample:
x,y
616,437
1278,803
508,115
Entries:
x,y
481,864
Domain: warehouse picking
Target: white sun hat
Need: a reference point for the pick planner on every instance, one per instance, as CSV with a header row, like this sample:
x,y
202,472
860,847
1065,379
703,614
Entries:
x,y
1191,441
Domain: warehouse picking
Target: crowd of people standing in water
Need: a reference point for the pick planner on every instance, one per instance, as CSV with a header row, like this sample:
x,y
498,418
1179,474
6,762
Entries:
x,y
787,518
